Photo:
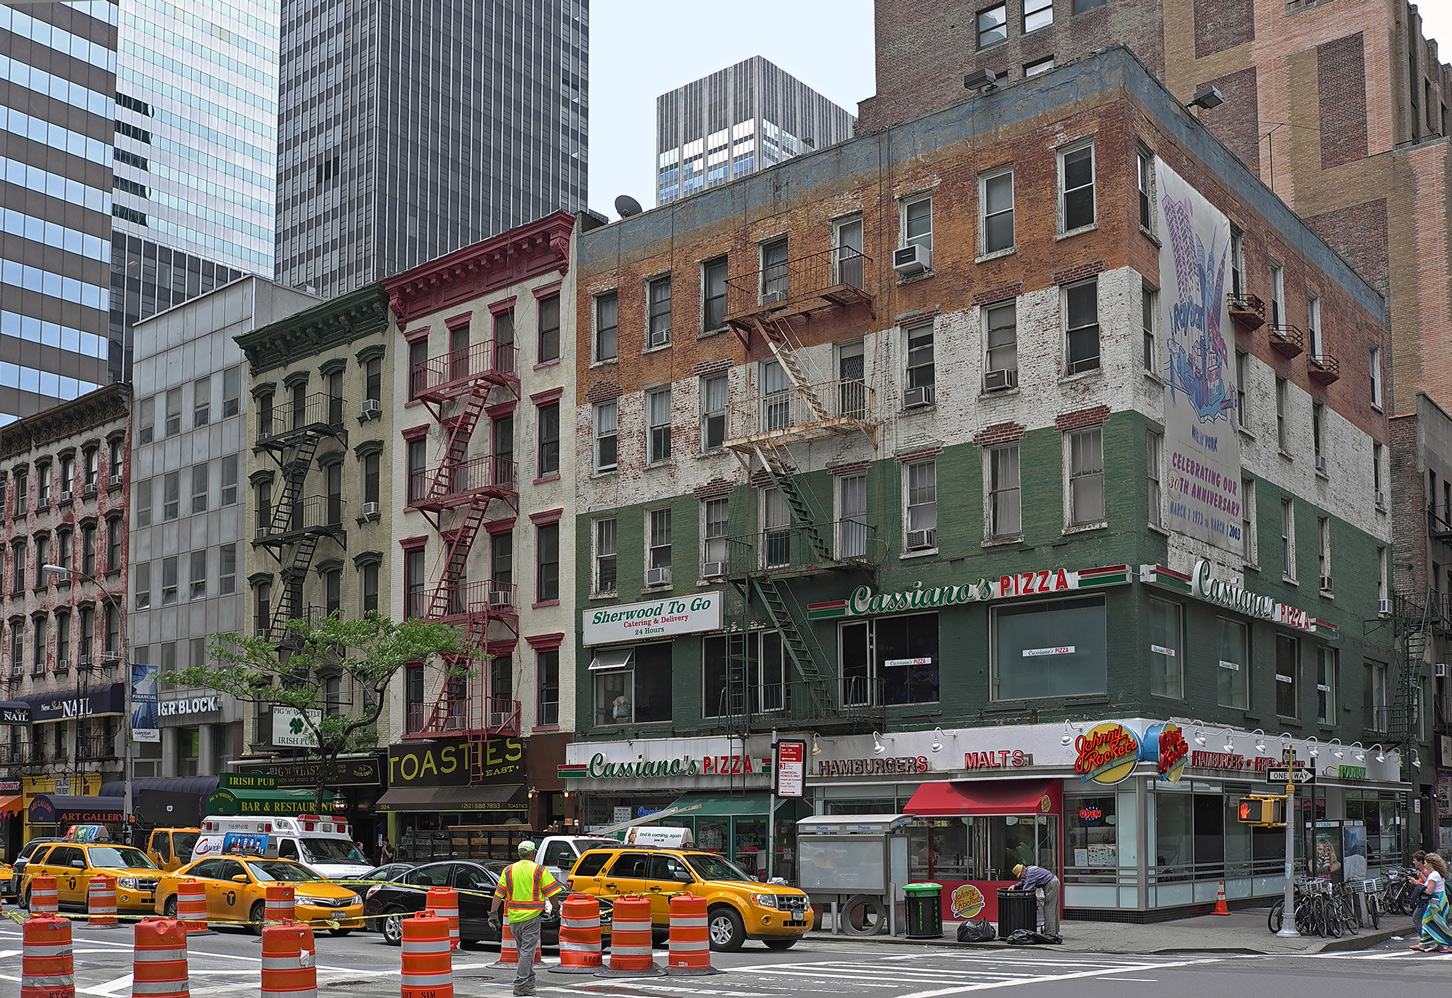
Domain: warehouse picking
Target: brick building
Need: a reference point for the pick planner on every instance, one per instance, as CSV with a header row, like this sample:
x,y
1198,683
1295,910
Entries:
x,y
883,450
65,476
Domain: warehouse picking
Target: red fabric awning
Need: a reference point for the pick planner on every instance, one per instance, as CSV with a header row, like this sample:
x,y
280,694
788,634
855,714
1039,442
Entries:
x,y
986,797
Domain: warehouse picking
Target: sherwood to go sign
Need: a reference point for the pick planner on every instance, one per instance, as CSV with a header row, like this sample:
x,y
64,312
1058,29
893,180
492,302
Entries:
x,y
866,602
660,618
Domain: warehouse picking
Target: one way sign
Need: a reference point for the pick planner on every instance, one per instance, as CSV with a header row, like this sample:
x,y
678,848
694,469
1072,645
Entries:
x,y
1284,775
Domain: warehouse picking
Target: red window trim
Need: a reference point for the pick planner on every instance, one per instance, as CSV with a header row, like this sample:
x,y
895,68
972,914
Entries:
x,y
455,321
545,518
413,543
412,433
550,290
495,527
501,410
503,305
546,642
547,396
414,335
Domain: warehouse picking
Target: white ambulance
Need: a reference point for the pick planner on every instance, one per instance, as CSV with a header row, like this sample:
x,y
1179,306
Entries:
x,y
322,843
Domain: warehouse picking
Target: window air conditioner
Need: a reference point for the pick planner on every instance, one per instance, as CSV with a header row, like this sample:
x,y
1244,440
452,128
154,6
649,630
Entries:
x,y
84,661
713,569
65,497
915,397
261,533
919,539
1380,498
62,578
499,599
1439,670
62,664
772,297
997,381
1383,608
371,409
912,260
370,511
1321,463
111,657
658,577
1325,583
90,489
498,719
116,479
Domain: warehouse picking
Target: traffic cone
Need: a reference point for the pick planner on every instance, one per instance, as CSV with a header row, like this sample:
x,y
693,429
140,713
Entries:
x,y
1221,908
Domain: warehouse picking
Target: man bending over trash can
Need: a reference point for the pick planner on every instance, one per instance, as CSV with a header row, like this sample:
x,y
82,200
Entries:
x,y
1046,886
524,889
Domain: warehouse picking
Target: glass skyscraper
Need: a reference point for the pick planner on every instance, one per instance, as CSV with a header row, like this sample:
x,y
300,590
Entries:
x,y
736,121
409,128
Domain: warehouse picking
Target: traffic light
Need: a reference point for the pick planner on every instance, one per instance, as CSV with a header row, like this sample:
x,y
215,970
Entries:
x,y
1264,812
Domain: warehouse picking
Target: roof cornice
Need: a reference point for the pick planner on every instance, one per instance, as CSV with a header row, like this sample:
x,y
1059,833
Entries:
x,y
335,322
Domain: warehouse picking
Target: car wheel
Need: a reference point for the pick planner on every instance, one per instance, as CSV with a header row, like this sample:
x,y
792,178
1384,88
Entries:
x,y
393,927
780,943
725,930
339,932
256,917
169,909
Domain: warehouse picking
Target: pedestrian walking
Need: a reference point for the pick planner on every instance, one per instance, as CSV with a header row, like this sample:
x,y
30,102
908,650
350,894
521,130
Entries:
x,y
524,890
1047,886
1418,880
385,852
1436,932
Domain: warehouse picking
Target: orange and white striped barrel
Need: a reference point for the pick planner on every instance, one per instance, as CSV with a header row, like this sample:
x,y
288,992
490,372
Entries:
x,y
428,966
289,961
579,936
159,967
444,902
191,906
47,967
630,938
101,902
281,904
509,949
44,898
689,954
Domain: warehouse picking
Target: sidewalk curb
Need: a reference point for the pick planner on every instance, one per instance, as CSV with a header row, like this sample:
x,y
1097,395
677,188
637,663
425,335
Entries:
x,y
1365,940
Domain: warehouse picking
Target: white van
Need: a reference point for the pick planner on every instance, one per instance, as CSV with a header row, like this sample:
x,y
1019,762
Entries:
x,y
322,843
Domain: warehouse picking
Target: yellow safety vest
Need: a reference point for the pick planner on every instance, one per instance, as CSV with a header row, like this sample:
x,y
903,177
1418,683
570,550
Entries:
x,y
524,887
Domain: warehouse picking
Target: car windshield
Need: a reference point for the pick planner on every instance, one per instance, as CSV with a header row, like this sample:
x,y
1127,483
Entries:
x,y
120,856
716,868
282,871
182,844
332,851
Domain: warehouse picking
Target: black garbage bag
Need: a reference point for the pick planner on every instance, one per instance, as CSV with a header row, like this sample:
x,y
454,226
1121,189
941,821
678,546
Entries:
x,y
1028,937
977,930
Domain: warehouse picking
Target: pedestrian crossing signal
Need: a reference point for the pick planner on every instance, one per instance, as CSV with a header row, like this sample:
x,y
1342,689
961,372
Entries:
x,y
1262,812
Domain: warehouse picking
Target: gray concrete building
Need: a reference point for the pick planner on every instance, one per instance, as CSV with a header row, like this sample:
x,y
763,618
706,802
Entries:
x,y
736,121
188,528
407,130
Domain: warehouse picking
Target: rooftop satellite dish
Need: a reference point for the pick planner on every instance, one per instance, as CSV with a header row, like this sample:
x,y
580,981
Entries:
x,y
625,206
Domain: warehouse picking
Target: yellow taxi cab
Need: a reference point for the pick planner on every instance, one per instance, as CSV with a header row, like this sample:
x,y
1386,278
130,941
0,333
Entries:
x,y
738,907
171,848
237,892
73,864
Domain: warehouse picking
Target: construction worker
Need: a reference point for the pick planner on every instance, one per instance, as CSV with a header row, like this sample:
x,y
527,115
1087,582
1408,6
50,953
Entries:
x,y
524,889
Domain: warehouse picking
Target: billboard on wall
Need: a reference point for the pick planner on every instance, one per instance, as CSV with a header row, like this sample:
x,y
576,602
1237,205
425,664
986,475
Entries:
x,y
1202,445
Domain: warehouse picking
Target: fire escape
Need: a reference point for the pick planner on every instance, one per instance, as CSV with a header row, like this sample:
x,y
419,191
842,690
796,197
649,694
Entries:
x,y
789,407
458,497
293,526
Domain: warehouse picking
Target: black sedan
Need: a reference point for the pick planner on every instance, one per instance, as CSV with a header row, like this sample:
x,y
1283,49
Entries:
x,y
378,875
475,883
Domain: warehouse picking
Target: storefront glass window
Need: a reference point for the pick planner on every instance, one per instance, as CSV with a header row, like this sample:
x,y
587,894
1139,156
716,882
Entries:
x,y
637,691
907,657
856,670
1174,836
1051,649
1165,649
713,834
1288,674
749,846
1091,838
1232,675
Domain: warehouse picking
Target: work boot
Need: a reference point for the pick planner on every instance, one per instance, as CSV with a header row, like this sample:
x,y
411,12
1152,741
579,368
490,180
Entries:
x,y
524,989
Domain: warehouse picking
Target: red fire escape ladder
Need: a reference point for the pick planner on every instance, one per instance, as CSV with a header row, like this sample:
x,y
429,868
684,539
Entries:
x,y
456,451
459,545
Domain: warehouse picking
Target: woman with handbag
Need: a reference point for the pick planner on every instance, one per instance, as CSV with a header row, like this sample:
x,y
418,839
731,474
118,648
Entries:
x,y
1436,931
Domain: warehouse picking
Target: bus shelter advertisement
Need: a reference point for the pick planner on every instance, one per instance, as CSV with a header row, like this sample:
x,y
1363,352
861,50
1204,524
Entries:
x,y
1202,446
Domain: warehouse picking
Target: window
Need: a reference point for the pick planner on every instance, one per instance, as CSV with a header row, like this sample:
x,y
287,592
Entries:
x,y
1375,717
1037,14
715,519
547,563
1326,682
1232,674
17,569
1051,649
852,516
1288,539
459,351
607,569
92,457
658,424
1313,324
1146,189
713,294
890,660
370,587
1154,447
173,411
88,549
202,401
171,495
67,474
995,211
228,581
1247,520
1086,476
501,559
502,442
549,329
1001,336
113,544
199,488
231,391
658,551
606,435
62,640
63,549
658,322
1381,574
332,591
1038,66
265,424
607,322
1283,403
547,696
922,506
22,492
713,412
143,503
145,420
1080,6
1081,310
633,685
87,643
1288,667
916,224
168,581
1278,295
1242,378
17,646
549,439
198,575
1149,308
920,371
262,608
993,26
847,260
1323,551
1166,649
143,587
776,536
418,360
1377,456
38,656
1004,497
418,484
774,276
1375,366
373,379
42,485
1076,188
1318,414
1237,260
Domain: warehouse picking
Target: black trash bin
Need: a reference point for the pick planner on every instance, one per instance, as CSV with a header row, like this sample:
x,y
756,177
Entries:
x,y
924,911
1016,910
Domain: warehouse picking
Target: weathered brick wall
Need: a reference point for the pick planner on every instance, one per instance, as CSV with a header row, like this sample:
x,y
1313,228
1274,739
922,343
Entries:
x,y
1341,95
1237,121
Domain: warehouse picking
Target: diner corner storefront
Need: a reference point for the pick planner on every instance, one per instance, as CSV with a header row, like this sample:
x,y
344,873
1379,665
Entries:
x,y
437,790
355,781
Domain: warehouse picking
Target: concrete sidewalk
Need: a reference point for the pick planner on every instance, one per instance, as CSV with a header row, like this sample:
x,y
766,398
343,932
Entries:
x,y
1243,931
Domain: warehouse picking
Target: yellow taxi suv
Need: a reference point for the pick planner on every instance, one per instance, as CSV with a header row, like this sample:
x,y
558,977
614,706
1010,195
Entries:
x,y
738,907
73,864
237,892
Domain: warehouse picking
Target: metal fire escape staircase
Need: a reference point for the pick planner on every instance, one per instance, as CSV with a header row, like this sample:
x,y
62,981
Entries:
x,y
1416,623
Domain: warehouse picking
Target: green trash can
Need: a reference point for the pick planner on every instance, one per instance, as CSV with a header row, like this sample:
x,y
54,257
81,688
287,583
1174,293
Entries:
x,y
924,911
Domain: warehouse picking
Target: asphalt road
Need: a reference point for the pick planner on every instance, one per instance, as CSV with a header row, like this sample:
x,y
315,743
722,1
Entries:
x,y
226,963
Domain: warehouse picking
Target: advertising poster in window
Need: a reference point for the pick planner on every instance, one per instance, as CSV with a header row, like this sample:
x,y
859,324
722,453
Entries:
x,y
145,713
1202,445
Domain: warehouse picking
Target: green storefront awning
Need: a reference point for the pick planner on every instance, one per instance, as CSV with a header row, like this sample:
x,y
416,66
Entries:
x,y
734,806
227,801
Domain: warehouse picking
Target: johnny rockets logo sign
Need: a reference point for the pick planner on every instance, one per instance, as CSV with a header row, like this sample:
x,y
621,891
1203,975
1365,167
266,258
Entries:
x,y
1107,753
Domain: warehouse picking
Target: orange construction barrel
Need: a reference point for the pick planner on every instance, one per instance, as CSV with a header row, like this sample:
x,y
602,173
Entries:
x,y
101,902
579,936
509,949
630,939
444,902
159,967
44,898
428,968
690,946
289,961
47,967
281,905
191,906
